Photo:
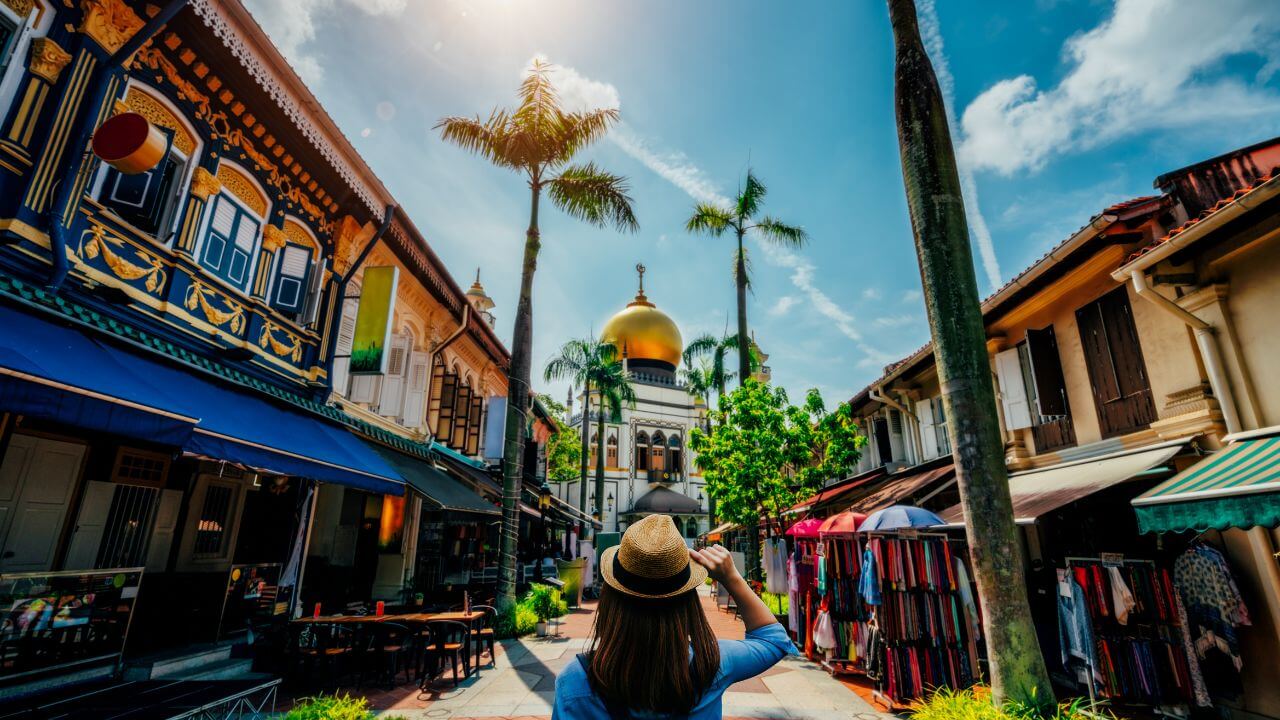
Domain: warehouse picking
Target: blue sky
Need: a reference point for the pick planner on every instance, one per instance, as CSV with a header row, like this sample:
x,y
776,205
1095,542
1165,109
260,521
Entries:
x,y
1061,107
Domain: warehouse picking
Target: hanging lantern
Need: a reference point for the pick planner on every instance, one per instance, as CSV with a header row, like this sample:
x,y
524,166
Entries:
x,y
129,143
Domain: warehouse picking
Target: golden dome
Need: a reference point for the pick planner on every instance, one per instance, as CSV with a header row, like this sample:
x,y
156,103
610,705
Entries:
x,y
643,332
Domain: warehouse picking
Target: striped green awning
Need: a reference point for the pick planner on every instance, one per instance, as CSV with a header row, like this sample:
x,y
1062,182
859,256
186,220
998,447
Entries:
x,y
1238,487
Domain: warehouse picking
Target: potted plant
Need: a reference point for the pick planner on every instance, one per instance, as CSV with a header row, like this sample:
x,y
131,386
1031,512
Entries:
x,y
546,603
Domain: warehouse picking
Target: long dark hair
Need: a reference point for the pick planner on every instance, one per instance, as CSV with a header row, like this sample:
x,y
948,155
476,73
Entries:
x,y
640,652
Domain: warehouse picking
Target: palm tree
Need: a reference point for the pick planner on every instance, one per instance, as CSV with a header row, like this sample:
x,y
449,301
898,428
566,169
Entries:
x,y
716,350
951,297
596,366
710,219
538,140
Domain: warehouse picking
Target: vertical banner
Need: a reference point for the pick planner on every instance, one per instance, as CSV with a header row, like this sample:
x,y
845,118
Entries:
x,y
373,321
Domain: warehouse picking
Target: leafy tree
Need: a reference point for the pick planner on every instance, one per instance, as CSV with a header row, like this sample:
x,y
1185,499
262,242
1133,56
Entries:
x,y
763,454
564,447
538,140
596,366
710,219
955,318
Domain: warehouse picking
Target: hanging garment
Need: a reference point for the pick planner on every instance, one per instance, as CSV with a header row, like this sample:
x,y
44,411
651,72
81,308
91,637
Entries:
x,y
1075,628
1212,602
1199,690
793,596
1121,597
966,597
869,583
824,636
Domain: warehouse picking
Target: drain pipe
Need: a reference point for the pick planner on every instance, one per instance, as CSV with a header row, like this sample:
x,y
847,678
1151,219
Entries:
x,y
1206,340
58,240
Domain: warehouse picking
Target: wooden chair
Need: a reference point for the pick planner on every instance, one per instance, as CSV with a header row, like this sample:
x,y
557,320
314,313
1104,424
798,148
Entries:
x,y
322,649
449,639
483,636
387,649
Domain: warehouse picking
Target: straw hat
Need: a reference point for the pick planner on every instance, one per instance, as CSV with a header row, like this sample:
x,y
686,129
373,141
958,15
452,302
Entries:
x,y
651,562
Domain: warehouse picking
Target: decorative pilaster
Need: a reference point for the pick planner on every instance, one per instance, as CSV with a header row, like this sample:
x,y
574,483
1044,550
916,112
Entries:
x,y
204,185
273,238
46,63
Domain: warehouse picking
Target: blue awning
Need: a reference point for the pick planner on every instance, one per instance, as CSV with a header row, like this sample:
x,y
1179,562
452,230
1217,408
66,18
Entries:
x,y
52,372
60,373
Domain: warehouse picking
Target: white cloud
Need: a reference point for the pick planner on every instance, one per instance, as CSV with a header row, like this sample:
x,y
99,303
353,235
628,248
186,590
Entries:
x,y
581,92
931,34
783,306
893,321
291,24
1146,67
911,296
871,294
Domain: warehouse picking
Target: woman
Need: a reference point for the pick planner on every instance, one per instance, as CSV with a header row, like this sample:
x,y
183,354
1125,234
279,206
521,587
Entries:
x,y
652,652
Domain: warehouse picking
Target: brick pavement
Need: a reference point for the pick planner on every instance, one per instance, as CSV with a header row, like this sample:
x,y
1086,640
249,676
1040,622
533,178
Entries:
x,y
520,683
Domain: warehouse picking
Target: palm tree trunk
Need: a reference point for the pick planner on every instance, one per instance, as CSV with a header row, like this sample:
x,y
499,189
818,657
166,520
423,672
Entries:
x,y
600,462
517,405
964,370
582,481
744,344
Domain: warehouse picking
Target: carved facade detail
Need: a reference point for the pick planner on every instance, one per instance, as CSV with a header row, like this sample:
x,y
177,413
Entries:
x,y
48,59
242,187
204,184
273,238
21,7
110,23
298,235
156,112
348,238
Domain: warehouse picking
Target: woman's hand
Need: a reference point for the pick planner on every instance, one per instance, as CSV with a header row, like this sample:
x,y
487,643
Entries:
x,y
717,561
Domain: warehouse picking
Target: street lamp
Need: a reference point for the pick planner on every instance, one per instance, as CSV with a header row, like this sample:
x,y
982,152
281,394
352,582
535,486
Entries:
x,y
609,500
544,496
699,502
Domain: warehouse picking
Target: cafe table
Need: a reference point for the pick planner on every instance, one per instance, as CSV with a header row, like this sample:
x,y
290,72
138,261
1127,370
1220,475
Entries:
x,y
467,618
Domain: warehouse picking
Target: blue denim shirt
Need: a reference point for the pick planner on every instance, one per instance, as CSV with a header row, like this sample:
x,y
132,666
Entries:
x,y
739,660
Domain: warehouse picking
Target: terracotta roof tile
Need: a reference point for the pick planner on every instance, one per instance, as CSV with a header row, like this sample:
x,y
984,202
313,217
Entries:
x,y
1191,222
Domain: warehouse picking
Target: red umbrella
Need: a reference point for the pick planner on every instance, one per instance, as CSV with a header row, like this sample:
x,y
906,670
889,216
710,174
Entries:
x,y
807,528
845,523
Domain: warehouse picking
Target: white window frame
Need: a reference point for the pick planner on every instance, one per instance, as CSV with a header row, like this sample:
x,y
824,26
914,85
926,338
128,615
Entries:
x,y
25,29
203,236
315,272
177,201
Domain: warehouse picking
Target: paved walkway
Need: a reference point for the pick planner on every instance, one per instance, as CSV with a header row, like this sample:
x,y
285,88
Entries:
x,y
521,683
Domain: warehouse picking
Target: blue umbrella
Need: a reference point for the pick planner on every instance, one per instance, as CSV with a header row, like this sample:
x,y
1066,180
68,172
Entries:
x,y
900,516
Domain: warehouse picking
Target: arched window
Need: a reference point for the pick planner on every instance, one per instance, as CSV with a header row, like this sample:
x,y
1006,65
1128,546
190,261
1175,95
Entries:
x,y
642,451
611,452
675,458
150,201
591,458
691,528
658,456
234,226
293,288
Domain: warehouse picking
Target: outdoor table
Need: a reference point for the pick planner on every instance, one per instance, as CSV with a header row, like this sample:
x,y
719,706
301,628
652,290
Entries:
x,y
469,619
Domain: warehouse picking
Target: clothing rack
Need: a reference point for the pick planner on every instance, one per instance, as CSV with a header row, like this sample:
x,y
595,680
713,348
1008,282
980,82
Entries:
x,y
927,637
841,569
1138,655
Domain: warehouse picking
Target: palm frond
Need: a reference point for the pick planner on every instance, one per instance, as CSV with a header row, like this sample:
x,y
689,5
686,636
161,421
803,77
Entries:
x,y
571,363
708,219
577,130
489,139
591,194
781,233
751,196
539,103
699,347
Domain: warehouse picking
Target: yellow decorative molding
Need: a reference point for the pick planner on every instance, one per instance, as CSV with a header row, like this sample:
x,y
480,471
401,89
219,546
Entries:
x,y
298,235
21,7
273,238
234,136
348,238
198,295
158,114
242,187
47,59
204,184
96,241
292,350
110,23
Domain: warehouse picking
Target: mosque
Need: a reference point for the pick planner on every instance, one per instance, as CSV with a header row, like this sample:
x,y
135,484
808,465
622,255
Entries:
x,y
648,465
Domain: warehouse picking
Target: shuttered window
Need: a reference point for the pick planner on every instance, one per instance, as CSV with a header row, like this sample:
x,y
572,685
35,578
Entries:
x,y
146,200
289,292
1113,357
230,242
475,421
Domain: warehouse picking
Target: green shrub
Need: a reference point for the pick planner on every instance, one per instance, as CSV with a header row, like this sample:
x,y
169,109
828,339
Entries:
x,y
545,601
975,704
520,620
526,620
778,603
331,707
